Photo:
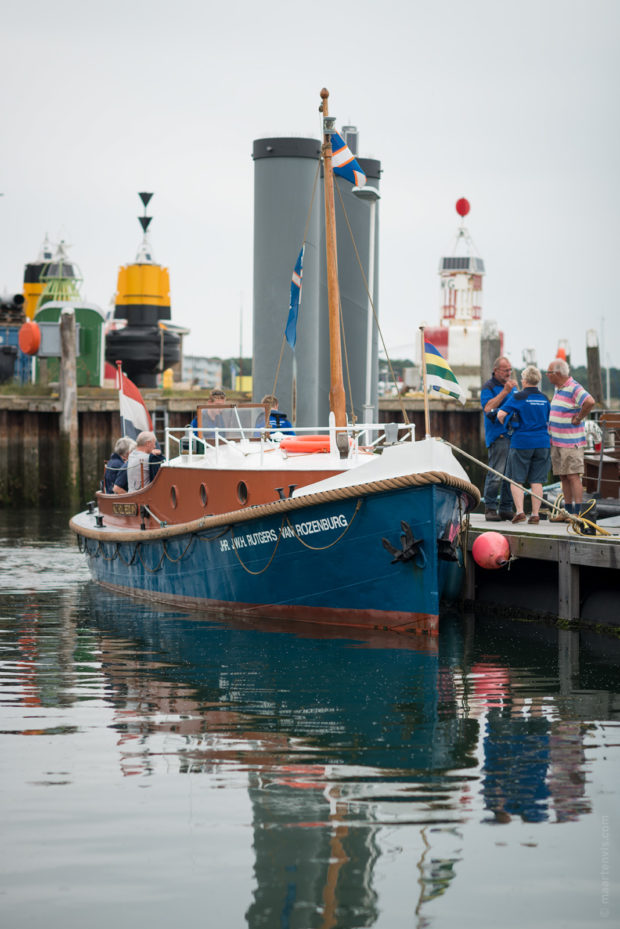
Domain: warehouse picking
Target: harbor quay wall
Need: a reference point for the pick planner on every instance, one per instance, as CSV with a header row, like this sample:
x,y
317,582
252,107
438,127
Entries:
x,y
33,467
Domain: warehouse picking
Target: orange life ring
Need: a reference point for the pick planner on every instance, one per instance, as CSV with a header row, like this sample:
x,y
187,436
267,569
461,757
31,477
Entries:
x,y
29,338
305,443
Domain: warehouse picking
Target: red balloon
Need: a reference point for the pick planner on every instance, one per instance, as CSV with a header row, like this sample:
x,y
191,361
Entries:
x,y
462,206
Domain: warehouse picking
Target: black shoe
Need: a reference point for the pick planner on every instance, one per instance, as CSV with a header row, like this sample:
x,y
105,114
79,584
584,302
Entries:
x,y
492,516
506,514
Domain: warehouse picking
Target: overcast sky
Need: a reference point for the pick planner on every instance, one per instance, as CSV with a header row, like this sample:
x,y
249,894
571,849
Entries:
x,y
512,105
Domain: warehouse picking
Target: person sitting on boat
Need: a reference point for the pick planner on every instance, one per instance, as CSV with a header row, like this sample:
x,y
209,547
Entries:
x,y
143,462
277,420
211,417
156,458
115,475
529,456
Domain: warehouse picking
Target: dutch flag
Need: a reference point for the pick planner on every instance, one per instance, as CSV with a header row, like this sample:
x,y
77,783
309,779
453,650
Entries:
x,y
135,417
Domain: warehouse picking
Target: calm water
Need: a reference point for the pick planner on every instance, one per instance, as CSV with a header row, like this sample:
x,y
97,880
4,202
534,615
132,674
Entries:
x,y
157,767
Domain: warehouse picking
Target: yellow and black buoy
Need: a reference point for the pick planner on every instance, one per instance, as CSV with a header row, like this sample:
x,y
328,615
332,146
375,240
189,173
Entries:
x,y
142,342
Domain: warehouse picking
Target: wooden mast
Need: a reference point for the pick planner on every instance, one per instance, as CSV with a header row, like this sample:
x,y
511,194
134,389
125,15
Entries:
x,y
336,391
427,419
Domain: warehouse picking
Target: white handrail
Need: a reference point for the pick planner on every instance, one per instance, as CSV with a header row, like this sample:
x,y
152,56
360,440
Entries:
x,y
177,435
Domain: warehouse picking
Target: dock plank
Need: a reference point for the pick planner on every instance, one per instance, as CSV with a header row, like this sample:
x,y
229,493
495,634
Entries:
x,y
547,541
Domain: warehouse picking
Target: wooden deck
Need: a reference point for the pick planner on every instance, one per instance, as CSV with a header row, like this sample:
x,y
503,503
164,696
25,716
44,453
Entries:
x,y
588,572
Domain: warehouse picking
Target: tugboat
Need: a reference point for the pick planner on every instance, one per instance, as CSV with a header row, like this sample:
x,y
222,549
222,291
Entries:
x,y
333,527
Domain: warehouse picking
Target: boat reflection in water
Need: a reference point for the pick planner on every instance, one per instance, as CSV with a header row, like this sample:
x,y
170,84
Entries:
x,y
338,741
325,746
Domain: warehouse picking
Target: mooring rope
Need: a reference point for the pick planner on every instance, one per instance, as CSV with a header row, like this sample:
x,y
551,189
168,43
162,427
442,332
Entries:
x,y
578,524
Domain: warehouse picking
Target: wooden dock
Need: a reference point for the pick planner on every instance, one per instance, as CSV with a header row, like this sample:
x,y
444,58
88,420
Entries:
x,y
553,572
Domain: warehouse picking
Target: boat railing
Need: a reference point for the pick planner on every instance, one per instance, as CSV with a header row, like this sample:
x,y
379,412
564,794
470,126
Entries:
x,y
187,441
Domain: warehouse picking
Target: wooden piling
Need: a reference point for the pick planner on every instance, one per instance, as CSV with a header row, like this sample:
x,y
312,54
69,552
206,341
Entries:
x,y
489,351
593,360
69,447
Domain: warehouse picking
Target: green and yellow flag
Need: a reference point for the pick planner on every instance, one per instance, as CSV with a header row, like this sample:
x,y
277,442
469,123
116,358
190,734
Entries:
x,y
439,374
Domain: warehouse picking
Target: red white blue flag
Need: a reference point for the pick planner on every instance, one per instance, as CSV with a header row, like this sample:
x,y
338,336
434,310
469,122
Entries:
x,y
344,162
135,417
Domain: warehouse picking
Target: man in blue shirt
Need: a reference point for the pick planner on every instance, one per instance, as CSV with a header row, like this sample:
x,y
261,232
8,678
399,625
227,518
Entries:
x,y
492,397
529,457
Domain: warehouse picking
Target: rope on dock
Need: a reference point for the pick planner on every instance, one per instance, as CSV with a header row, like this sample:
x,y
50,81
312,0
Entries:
x,y
578,524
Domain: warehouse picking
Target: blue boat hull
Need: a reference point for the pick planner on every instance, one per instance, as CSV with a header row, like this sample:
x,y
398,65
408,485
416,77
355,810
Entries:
x,y
324,562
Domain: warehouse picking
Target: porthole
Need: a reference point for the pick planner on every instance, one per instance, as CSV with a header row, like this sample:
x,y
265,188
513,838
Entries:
x,y
174,496
204,496
242,492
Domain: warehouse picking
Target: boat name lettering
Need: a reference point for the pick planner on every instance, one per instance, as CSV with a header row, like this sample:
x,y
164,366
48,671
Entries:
x,y
288,531
318,525
249,539
125,509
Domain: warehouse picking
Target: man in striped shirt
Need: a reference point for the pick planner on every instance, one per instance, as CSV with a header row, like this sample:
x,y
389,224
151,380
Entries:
x,y
570,405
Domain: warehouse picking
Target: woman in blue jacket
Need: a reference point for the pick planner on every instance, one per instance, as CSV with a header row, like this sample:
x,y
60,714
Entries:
x,y
529,456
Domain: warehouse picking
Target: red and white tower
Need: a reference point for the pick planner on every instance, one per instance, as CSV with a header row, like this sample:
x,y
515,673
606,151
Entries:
x,y
461,277
459,334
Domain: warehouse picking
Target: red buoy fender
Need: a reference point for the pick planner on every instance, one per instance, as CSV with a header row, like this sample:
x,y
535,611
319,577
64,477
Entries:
x,y
29,338
491,550
305,443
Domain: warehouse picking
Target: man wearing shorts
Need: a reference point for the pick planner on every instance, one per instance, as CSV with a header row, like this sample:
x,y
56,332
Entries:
x,y
570,405
528,460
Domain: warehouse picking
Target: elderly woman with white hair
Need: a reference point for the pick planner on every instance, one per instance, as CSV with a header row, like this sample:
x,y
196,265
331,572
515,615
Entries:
x,y
529,456
115,475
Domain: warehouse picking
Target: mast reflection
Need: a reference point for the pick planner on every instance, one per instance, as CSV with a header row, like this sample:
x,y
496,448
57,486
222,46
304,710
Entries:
x,y
335,739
